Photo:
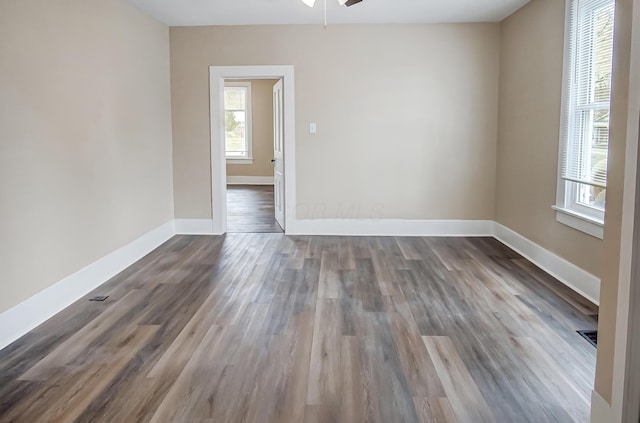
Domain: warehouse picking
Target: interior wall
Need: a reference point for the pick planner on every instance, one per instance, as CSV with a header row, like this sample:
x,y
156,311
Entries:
x,y
531,67
406,116
528,141
85,124
261,131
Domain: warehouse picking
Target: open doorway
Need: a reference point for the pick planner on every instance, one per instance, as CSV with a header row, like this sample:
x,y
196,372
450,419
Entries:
x,y
245,198
251,135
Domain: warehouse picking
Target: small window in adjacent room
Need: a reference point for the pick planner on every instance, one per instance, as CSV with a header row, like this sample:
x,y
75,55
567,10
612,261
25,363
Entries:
x,y
237,122
584,141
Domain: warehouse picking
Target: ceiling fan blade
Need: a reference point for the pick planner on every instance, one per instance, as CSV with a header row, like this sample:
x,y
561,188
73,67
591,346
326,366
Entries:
x,y
352,2
309,3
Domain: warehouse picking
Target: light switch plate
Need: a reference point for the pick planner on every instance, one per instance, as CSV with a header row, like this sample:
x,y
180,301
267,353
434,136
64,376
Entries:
x,y
313,128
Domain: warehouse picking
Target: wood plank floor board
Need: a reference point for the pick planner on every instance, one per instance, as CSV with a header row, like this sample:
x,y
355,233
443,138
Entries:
x,y
573,400
561,325
106,323
25,353
466,399
70,392
250,209
366,286
428,320
362,247
414,359
434,410
504,381
392,251
329,283
274,274
324,373
260,327
576,301
383,268
346,254
308,286
395,400
351,305
359,393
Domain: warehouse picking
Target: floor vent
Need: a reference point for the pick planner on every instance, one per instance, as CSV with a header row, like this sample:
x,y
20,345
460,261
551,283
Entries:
x,y
590,335
99,298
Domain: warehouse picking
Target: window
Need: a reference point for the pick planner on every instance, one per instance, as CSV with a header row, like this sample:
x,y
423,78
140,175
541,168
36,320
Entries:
x,y
582,182
237,122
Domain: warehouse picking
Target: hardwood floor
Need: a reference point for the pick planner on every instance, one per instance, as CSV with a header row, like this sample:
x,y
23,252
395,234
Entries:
x,y
250,208
268,328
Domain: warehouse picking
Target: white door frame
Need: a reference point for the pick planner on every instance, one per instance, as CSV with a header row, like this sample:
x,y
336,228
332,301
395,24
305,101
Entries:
x,y
217,75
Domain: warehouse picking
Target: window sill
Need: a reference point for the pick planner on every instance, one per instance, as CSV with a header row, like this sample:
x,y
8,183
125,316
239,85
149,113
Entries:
x,y
248,161
581,222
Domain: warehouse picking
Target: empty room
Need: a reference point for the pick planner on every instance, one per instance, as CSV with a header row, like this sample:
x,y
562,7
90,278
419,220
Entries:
x,y
319,211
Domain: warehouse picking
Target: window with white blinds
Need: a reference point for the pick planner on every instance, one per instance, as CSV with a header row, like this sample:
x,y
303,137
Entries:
x,y
585,126
237,120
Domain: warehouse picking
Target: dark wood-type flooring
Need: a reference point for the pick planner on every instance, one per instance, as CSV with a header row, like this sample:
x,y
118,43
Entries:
x,y
268,328
250,208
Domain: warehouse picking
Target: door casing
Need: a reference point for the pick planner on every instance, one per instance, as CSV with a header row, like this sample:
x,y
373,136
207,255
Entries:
x,y
217,76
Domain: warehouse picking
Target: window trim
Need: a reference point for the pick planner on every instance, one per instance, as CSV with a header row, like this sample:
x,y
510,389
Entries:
x,y
239,161
249,125
580,218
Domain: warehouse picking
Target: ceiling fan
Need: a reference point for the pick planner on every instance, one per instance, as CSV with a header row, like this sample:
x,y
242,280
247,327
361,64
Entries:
x,y
348,3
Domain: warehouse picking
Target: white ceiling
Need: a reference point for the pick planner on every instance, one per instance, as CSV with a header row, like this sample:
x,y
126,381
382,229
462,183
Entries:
x,y
258,12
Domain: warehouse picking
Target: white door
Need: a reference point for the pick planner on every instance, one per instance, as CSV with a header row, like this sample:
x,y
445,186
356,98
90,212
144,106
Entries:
x,y
278,153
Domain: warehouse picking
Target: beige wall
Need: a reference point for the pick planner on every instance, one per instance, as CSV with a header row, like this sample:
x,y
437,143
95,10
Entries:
x,y
262,130
528,135
85,152
406,115
529,122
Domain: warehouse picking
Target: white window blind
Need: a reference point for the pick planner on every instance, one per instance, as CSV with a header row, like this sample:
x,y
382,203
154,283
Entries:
x,y
586,115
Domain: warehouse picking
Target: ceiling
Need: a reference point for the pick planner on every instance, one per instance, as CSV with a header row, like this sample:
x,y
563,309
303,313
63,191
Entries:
x,y
259,12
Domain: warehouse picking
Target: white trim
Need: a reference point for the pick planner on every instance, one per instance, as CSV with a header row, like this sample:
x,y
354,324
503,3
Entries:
x,y
564,112
581,281
195,227
22,318
249,180
394,227
600,409
579,221
247,161
217,75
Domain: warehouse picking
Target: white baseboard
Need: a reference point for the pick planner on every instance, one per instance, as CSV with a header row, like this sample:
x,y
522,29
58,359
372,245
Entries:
x,y
194,227
393,227
27,315
249,180
566,272
601,411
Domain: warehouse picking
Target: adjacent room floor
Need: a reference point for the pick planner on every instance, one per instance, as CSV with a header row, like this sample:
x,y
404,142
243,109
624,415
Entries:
x,y
250,208
268,328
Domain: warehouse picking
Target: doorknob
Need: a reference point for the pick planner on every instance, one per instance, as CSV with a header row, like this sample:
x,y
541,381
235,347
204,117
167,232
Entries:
x,y
273,160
